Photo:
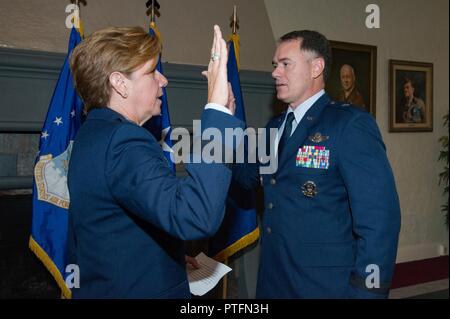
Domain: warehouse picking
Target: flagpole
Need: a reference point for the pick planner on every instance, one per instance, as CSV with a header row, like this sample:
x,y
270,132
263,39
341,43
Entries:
x,y
77,3
79,24
234,21
152,11
234,27
152,14
234,24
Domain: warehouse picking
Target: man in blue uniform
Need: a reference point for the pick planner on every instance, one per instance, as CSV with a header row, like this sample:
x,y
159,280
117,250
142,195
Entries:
x,y
332,218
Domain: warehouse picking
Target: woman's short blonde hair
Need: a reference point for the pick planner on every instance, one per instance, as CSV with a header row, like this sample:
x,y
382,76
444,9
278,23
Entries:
x,y
112,49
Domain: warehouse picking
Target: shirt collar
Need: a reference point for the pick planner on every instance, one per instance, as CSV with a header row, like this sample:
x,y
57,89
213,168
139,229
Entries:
x,y
301,110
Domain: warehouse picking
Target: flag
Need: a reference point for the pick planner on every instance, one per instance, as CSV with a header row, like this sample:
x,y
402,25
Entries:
x,y
48,238
159,125
239,227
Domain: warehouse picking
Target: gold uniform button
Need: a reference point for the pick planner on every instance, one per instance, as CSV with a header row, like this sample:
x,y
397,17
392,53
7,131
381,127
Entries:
x,y
270,206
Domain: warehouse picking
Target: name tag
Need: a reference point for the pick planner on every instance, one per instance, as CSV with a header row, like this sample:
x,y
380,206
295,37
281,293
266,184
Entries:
x,y
312,156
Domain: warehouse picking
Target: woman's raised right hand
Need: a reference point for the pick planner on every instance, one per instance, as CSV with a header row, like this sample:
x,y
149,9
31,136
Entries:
x,y
217,71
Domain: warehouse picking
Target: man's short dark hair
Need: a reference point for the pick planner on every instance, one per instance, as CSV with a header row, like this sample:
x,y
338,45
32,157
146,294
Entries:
x,y
314,42
407,80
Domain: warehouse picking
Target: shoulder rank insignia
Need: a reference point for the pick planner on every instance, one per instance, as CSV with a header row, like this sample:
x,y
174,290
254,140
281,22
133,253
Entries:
x,y
318,137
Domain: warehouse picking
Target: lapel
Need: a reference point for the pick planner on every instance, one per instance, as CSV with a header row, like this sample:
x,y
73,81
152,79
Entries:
x,y
303,130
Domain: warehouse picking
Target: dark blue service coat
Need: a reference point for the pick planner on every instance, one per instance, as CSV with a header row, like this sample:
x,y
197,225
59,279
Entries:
x,y
332,212
129,214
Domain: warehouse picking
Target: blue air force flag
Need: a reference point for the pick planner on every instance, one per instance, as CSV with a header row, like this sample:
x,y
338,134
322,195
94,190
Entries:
x,y
50,193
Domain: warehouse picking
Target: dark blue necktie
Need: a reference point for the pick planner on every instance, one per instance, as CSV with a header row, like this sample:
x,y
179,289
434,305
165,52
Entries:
x,y
286,132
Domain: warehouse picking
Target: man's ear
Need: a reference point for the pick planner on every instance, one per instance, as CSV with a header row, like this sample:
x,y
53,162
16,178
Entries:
x,y
318,65
118,83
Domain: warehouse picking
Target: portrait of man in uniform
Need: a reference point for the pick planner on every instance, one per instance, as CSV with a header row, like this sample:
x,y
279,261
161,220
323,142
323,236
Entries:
x,y
349,92
410,96
353,74
413,106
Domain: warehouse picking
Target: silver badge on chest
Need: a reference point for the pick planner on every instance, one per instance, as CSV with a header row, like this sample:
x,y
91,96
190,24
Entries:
x,y
318,138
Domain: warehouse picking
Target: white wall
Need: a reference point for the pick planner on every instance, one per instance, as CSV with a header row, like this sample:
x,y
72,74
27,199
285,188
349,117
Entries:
x,y
415,30
186,26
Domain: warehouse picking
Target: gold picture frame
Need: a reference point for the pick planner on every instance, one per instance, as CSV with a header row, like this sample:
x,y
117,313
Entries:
x,y
410,96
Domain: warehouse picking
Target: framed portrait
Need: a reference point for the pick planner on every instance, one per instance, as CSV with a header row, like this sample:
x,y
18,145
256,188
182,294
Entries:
x,y
410,96
353,74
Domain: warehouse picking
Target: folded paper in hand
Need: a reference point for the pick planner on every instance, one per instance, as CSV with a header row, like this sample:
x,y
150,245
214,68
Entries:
x,y
207,276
